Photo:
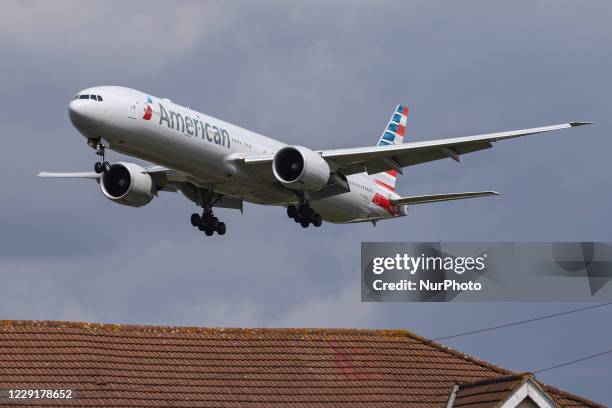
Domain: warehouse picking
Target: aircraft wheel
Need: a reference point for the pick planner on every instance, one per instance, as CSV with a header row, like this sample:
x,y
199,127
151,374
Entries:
x,y
318,220
305,224
106,167
303,211
208,231
311,215
221,229
195,219
297,219
208,220
98,167
292,211
214,223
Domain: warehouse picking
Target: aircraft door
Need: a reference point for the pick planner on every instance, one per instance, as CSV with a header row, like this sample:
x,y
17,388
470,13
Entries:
x,y
133,110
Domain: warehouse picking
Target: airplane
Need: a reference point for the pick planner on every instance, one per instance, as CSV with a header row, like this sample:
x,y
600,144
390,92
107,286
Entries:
x,y
216,164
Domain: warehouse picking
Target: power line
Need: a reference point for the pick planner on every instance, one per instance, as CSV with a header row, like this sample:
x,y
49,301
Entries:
x,y
572,362
501,326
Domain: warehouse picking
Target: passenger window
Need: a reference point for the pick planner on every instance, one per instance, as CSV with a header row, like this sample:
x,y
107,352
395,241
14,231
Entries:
x,y
84,97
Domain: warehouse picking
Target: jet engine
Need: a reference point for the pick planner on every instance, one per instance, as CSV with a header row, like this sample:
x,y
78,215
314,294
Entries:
x,y
128,184
300,168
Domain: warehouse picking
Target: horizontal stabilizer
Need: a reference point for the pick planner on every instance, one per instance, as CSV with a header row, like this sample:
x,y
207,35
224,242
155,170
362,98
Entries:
x,y
441,197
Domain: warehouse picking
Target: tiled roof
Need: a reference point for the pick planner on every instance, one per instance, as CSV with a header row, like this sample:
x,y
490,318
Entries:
x,y
153,366
566,399
486,393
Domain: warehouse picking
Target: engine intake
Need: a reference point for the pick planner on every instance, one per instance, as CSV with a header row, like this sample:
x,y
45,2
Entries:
x,y
128,184
300,168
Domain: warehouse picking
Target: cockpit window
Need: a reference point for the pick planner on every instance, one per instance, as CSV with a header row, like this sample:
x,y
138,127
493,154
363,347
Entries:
x,y
92,97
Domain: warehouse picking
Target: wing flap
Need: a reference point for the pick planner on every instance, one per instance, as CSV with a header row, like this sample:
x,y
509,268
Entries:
x,y
441,197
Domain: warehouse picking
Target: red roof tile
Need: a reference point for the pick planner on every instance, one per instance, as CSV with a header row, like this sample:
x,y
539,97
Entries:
x,y
150,366
486,393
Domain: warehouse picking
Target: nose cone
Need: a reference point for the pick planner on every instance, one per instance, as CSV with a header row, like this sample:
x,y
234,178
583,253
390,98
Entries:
x,y
74,112
80,114
85,114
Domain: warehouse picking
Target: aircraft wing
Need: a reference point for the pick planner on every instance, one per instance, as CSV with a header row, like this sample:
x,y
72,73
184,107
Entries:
x,y
394,157
79,174
376,159
441,197
168,179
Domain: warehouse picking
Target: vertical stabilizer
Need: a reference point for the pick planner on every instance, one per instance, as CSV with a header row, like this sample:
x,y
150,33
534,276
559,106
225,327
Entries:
x,y
393,134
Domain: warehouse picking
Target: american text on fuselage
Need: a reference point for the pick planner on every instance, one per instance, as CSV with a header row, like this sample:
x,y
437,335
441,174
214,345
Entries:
x,y
193,127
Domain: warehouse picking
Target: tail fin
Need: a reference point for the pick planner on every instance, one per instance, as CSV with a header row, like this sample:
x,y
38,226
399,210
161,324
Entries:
x,y
393,134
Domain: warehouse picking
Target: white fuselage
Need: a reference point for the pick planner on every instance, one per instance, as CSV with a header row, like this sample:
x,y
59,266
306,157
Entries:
x,y
170,135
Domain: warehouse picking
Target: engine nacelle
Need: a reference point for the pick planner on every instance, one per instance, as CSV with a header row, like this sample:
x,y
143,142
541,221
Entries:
x,y
128,184
300,168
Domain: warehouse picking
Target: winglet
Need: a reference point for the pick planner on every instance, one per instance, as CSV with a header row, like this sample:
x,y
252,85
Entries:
x,y
574,124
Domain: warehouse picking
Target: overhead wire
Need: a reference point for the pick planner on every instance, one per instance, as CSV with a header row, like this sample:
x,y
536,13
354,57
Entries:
x,y
572,362
519,322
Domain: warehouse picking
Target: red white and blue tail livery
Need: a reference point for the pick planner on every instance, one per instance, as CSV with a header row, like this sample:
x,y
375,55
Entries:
x,y
392,135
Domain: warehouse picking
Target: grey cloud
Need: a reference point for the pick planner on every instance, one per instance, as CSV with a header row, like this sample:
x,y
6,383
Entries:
x,y
323,76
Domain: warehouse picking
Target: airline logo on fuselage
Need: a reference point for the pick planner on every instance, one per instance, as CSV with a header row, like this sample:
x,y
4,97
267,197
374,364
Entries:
x,y
149,111
193,127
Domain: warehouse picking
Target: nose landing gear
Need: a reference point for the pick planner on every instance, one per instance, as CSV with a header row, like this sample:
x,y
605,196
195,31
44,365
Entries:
x,y
102,166
304,215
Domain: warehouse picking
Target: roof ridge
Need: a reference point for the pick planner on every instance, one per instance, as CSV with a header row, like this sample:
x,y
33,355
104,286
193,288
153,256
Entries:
x,y
505,378
233,330
147,328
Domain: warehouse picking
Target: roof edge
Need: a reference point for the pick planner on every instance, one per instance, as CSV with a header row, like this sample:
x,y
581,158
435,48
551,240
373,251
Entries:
x,y
506,378
145,328
117,327
556,392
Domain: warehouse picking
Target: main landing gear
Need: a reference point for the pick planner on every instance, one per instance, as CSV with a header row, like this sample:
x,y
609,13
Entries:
x,y
304,215
207,222
102,166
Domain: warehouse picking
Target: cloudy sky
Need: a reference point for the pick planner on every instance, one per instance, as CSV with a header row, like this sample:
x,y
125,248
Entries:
x,y
321,74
